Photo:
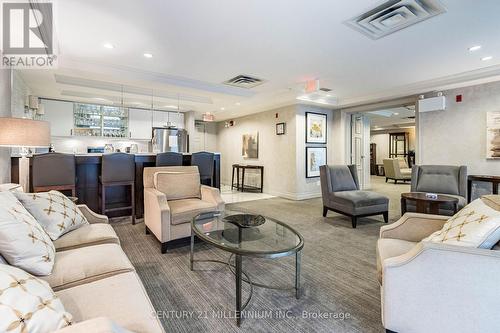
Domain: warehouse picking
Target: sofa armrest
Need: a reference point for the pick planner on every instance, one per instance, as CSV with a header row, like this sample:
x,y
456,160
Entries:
x,y
157,213
212,194
441,288
91,216
94,325
413,227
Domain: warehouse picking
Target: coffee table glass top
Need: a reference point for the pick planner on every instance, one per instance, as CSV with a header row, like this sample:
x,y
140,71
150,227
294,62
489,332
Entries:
x,y
239,233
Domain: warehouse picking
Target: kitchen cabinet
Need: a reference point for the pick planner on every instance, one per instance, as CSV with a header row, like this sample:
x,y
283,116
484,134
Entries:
x,y
140,123
60,116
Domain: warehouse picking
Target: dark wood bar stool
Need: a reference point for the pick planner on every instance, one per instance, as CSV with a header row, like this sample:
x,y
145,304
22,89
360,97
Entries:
x,y
169,159
54,171
117,169
205,163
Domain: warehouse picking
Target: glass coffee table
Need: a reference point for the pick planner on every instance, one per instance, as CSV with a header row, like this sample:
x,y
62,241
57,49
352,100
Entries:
x,y
243,234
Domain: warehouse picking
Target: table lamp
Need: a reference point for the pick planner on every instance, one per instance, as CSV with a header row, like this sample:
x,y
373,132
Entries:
x,y
24,133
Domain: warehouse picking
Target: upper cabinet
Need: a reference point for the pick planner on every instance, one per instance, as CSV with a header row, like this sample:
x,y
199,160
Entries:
x,y
60,116
140,124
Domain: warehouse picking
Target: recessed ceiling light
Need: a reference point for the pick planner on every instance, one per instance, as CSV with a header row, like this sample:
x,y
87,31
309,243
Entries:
x,y
222,108
396,113
238,103
108,45
486,58
474,48
148,55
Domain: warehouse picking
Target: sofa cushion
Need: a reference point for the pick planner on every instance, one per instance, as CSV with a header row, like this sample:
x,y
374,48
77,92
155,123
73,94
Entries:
x,y
94,325
493,201
178,184
88,235
54,211
438,179
476,225
360,198
23,242
183,211
87,264
388,248
11,187
27,304
121,298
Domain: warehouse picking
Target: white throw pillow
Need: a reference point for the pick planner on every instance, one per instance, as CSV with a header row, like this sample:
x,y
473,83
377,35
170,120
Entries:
x,y
28,304
23,242
54,211
476,225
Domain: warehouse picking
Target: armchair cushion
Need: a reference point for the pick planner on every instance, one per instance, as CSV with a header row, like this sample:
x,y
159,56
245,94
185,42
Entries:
x,y
388,248
477,225
341,178
88,235
444,179
359,198
178,184
184,210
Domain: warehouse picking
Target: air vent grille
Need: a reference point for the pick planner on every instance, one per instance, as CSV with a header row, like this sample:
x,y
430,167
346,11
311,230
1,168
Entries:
x,y
394,15
244,81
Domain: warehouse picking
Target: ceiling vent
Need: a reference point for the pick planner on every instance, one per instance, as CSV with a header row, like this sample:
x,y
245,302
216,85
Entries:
x,y
244,81
394,15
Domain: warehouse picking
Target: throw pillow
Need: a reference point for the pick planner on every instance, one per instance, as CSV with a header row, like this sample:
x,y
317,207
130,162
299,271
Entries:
x,y
476,225
23,242
54,211
28,304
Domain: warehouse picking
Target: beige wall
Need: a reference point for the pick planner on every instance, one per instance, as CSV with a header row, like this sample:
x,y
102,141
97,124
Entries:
x,y
276,152
457,135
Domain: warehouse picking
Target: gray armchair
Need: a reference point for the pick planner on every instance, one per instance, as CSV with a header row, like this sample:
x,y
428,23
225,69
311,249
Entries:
x,y
341,194
441,179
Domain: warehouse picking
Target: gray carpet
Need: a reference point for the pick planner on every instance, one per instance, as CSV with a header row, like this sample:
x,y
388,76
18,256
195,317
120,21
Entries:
x,y
338,276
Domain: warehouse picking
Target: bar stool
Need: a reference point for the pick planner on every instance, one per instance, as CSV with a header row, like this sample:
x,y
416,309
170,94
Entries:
x,y
54,171
169,159
205,163
117,169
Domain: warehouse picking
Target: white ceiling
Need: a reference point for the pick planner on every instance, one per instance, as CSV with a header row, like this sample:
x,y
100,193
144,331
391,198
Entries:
x,y
391,118
198,44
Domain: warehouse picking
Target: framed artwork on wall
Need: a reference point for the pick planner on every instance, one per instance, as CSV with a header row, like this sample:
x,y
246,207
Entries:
x,y
493,135
250,145
280,128
316,127
315,157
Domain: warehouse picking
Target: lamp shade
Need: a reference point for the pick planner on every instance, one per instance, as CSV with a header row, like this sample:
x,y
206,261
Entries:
x,y
21,132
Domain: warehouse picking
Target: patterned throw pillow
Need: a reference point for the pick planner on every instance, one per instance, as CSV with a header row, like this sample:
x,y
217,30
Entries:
x,y
54,211
476,225
28,304
23,242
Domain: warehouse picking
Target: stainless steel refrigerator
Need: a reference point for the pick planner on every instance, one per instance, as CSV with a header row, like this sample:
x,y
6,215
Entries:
x,y
169,139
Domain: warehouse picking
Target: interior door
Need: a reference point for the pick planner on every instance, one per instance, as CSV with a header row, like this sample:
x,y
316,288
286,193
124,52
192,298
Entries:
x,y
360,148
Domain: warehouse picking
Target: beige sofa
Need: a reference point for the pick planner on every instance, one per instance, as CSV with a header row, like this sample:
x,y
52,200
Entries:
x,y
429,287
96,282
396,169
172,197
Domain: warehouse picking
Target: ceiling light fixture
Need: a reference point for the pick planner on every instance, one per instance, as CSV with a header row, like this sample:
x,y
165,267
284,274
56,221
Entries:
x,y
474,48
396,113
148,55
238,103
108,45
223,108
486,58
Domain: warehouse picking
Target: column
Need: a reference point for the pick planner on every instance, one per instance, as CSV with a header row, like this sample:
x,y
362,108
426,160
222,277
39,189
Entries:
x,y
5,111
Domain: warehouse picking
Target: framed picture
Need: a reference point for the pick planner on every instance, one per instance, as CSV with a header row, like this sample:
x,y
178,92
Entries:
x,y
250,147
316,127
280,128
493,135
315,157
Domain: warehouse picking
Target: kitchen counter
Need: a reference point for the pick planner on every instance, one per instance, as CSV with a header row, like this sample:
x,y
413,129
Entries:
x,y
88,170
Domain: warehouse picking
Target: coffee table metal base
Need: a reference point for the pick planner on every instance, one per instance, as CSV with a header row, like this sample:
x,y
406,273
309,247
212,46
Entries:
x,y
242,276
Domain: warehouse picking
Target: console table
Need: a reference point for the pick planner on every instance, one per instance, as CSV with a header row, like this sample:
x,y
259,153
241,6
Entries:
x,y
241,186
494,180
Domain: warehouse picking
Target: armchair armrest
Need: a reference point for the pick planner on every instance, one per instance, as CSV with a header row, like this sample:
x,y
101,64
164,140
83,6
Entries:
x,y
441,288
95,325
212,194
413,227
157,213
91,216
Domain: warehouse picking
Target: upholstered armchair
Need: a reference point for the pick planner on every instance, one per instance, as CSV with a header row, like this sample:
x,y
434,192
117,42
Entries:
x,y
341,194
434,287
441,179
173,196
396,169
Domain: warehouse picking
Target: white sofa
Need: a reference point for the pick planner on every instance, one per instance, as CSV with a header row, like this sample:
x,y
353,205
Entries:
x,y
429,287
